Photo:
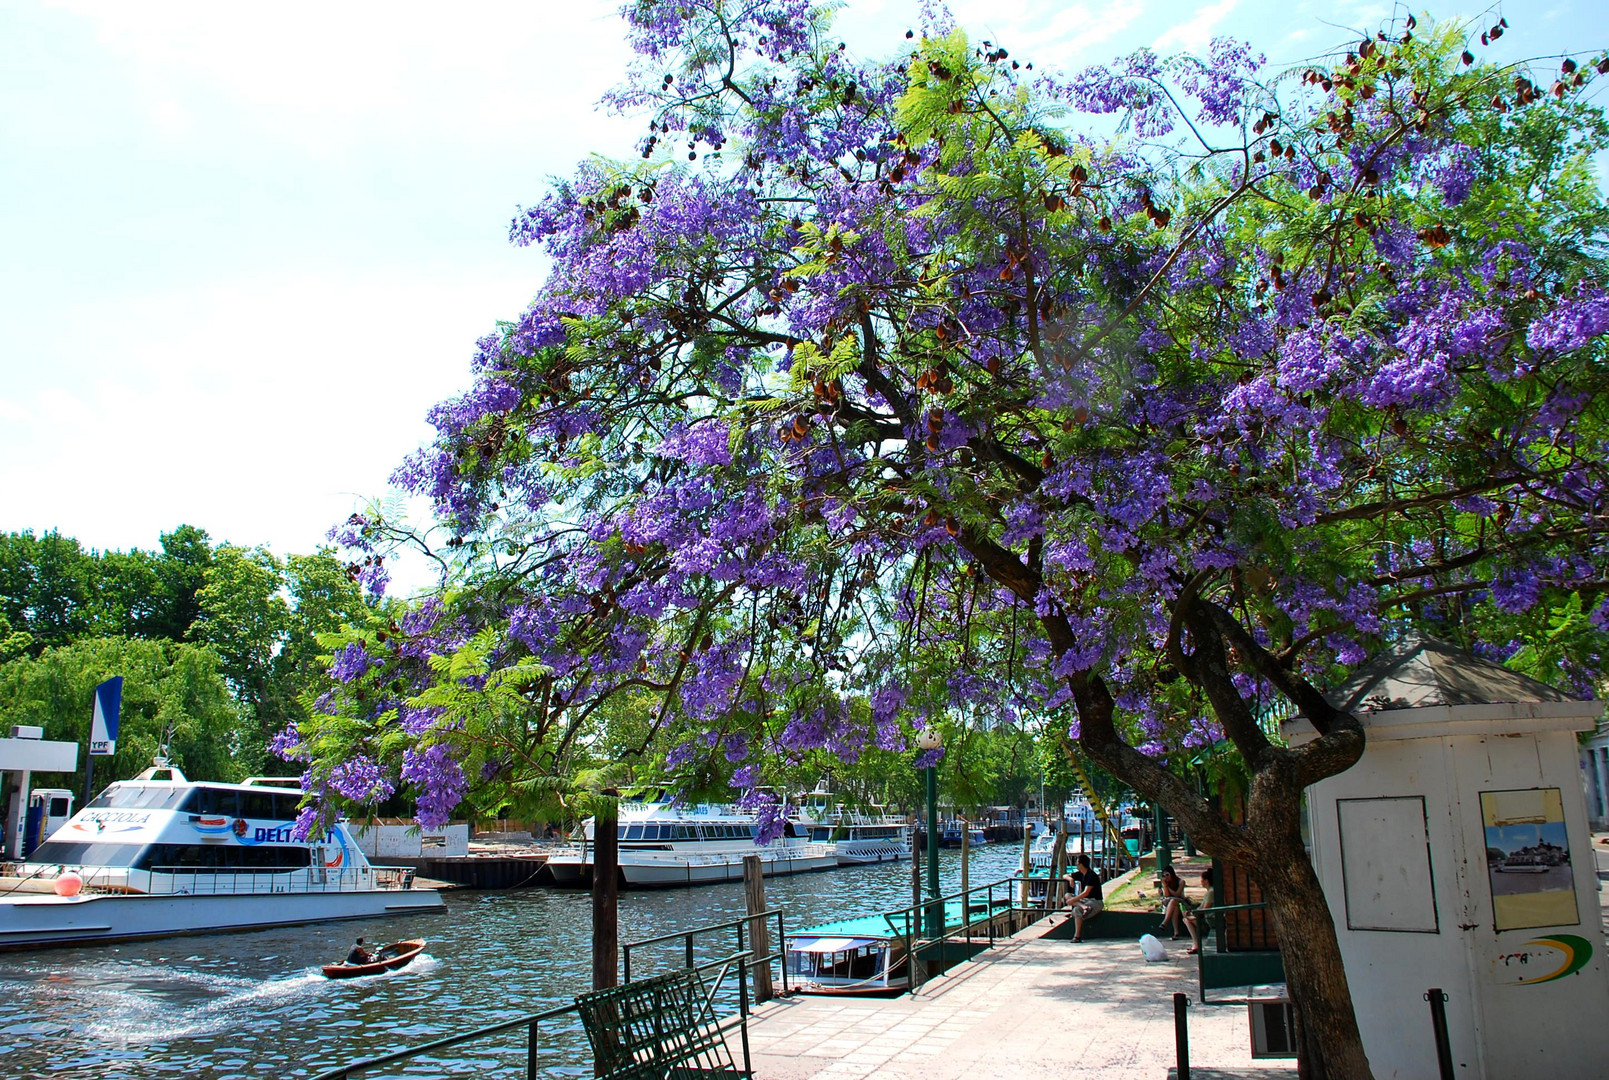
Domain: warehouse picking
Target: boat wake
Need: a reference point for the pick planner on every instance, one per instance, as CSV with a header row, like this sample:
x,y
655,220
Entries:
x,y
149,1005
187,1004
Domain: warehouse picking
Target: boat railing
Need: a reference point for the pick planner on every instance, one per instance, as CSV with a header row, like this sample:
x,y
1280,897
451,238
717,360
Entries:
x,y
738,927
565,1055
205,881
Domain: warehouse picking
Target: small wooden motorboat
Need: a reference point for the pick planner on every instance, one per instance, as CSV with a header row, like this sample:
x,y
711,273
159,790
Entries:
x,y
395,955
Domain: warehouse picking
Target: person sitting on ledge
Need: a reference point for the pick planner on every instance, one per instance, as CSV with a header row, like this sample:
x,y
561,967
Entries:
x,y
1172,902
1193,918
359,955
1086,894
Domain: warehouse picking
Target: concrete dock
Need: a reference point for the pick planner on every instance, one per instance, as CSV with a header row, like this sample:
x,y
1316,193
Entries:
x,y
1033,1007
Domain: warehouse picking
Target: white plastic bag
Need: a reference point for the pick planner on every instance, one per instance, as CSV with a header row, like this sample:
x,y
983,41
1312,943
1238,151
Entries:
x,y
1152,949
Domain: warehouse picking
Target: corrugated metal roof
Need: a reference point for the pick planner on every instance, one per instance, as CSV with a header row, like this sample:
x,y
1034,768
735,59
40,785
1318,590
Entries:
x,y
1422,672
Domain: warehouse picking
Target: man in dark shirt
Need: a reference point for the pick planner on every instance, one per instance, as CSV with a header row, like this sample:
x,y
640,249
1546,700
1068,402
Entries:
x,y
1086,893
359,955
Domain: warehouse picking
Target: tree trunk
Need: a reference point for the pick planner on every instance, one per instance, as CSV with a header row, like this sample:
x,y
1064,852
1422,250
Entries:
x,y
1330,1045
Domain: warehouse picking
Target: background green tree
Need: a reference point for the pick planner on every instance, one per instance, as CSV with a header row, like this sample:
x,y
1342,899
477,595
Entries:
x,y
171,691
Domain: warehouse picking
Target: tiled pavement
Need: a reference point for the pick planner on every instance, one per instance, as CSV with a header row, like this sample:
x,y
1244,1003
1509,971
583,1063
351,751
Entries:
x,y
1031,1008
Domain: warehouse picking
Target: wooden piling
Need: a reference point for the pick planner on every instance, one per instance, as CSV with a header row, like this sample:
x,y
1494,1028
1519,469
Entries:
x,y
1058,867
1027,846
759,931
606,894
966,898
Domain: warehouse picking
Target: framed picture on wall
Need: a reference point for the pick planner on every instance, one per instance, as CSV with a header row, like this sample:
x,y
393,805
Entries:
x,y
1528,859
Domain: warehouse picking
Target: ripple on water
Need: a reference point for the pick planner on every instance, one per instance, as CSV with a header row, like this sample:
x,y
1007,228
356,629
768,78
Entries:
x,y
255,1004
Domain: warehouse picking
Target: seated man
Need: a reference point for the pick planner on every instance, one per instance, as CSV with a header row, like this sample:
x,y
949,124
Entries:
x,y
359,955
1194,918
1086,893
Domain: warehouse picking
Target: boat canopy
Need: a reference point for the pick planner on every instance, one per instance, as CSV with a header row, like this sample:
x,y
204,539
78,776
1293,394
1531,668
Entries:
x,y
829,944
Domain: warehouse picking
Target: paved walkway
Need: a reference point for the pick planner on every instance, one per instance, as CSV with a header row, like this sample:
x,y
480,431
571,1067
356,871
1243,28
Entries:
x,y
1031,1008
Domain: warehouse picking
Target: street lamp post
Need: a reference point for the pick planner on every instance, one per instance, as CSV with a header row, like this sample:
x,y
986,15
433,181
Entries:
x,y
929,741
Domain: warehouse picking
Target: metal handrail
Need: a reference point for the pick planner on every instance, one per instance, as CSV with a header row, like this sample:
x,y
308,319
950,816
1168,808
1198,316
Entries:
x,y
946,933
1215,915
530,1022
779,953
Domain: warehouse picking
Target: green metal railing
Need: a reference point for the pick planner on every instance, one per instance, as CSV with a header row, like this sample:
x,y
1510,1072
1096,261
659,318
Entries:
x,y
532,1023
1215,918
687,936
925,924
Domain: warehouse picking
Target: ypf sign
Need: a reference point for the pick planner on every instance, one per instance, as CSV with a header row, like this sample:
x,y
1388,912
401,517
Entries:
x,y
103,727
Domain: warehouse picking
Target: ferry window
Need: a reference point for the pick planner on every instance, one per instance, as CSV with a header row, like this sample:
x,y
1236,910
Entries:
x,y
256,804
57,851
286,807
634,832
650,832
214,801
620,832
754,831
225,857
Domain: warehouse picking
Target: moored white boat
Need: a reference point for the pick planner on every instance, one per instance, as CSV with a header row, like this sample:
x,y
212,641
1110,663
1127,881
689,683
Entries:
x,y
857,838
175,856
662,845
858,957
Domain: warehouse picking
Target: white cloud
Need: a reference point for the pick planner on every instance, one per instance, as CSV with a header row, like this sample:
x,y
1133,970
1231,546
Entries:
x,y
1195,34
261,410
331,72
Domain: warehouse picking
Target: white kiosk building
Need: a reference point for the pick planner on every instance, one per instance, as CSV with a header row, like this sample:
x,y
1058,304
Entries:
x,y
22,755
1456,854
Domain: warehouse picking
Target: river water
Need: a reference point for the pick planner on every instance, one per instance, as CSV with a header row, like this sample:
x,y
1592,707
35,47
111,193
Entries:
x,y
253,1005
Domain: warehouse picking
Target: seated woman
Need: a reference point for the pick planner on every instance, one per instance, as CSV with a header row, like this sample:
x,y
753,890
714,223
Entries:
x,y
1172,902
1194,918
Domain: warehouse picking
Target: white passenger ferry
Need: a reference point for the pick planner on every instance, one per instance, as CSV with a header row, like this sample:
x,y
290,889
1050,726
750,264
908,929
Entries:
x,y
174,856
663,845
857,838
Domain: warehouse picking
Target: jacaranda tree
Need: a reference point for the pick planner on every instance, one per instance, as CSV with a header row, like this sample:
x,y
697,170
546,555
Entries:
x,y
1139,402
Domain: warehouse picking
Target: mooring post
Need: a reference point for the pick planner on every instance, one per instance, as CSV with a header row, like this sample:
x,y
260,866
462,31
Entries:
x,y
1181,1033
1438,1025
966,894
606,893
1058,867
1027,846
759,932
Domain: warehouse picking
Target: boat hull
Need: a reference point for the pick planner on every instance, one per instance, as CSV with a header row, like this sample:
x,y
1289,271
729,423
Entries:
x,y
407,951
34,922
895,988
870,857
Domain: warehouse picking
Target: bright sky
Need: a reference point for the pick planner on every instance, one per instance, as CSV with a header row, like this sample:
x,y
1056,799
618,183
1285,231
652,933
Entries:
x,y
243,249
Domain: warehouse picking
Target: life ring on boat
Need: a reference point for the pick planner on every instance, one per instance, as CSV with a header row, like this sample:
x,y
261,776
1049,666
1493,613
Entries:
x,y
240,826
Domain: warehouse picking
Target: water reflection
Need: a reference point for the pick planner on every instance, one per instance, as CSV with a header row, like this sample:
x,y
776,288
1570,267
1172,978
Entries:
x,y
255,1004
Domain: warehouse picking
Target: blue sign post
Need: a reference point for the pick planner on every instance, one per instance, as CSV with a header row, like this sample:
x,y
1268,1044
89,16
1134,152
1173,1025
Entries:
x,y
103,729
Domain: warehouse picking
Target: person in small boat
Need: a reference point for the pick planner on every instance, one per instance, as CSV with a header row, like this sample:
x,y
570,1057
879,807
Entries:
x,y
1172,889
1194,918
359,954
1086,894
